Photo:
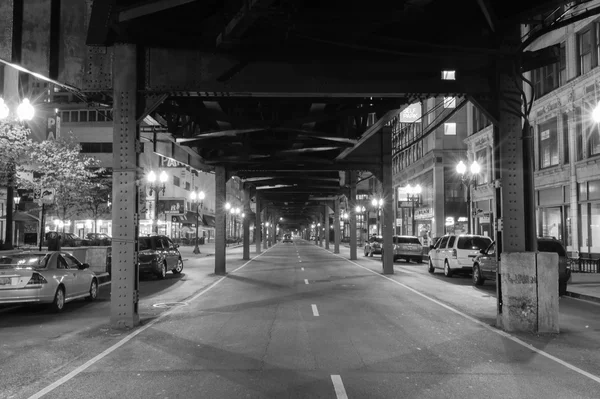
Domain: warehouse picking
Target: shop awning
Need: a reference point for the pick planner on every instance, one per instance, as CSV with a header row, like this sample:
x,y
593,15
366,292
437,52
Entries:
x,y
209,221
22,217
187,218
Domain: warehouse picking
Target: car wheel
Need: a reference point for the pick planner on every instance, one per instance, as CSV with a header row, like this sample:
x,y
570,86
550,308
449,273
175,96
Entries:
x,y
365,251
93,291
477,279
371,253
562,288
447,270
431,269
163,271
179,267
59,300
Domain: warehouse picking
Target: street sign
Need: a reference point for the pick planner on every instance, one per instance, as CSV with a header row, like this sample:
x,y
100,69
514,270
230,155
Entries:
x,y
37,194
47,196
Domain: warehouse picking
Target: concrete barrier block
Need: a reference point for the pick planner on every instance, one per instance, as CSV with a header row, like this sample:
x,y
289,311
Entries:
x,y
547,292
519,292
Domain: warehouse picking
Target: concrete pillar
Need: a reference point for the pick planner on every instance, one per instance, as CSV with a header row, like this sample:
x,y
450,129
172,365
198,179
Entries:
x,y
258,226
523,308
352,202
326,226
573,204
265,228
125,275
246,222
221,216
336,225
388,204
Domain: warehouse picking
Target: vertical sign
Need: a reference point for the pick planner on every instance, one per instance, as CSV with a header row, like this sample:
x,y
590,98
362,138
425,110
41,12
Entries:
x,y
53,127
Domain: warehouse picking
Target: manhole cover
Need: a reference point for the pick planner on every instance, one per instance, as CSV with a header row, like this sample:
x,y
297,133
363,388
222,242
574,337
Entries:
x,y
169,304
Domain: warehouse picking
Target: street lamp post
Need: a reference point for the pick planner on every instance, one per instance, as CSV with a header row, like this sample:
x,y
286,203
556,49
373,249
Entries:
x,y
467,179
377,204
413,194
197,198
156,187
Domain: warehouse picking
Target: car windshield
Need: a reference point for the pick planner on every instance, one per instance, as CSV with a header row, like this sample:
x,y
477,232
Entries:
x,y
376,239
144,243
551,246
24,261
406,240
474,242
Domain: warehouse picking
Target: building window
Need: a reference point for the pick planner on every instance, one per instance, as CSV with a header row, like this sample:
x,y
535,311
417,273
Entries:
x,y
565,129
593,143
450,129
449,102
585,49
578,134
187,186
550,77
448,75
176,181
562,64
480,120
548,144
483,160
97,147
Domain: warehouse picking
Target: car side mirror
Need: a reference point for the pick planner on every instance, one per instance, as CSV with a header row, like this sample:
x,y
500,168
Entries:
x,y
432,247
85,266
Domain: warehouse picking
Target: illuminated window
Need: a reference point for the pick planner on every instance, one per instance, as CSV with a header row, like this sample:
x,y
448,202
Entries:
x,y
449,102
450,129
448,75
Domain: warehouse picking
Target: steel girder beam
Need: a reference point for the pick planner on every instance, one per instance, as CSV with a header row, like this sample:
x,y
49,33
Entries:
x,y
242,21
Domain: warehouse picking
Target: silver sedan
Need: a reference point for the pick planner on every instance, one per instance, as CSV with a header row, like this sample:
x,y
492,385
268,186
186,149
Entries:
x,y
53,277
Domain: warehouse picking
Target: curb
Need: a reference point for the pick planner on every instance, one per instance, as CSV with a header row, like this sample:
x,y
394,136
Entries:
x,y
583,297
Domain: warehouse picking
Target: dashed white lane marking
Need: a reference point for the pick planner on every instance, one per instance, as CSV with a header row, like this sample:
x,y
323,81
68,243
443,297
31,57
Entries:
x,y
315,310
128,338
305,281
338,385
301,268
484,325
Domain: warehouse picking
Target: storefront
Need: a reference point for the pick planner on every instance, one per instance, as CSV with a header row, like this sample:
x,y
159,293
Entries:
x,y
553,214
482,218
423,225
589,217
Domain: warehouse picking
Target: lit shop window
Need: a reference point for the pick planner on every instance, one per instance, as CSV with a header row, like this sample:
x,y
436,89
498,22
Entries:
x,y
450,129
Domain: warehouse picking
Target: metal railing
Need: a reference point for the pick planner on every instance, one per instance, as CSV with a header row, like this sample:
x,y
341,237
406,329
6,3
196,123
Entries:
x,y
584,265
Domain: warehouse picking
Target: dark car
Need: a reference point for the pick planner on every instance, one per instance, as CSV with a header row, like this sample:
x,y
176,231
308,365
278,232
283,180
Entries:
x,y
287,238
157,255
99,238
485,265
373,245
66,239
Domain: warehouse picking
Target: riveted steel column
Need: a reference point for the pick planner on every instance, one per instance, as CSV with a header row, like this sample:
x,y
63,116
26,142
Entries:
x,y
246,222
266,229
124,277
336,225
388,201
326,227
258,226
352,201
221,218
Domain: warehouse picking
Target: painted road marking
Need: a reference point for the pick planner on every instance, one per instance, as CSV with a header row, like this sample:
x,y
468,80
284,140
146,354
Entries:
x,y
301,268
338,385
305,281
315,310
128,338
484,325
104,283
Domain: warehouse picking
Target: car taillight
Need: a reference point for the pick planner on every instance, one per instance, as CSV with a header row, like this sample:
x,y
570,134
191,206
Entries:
x,y
454,254
37,279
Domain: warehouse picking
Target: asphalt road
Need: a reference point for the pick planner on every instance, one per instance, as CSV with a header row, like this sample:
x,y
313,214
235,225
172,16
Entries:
x,y
296,322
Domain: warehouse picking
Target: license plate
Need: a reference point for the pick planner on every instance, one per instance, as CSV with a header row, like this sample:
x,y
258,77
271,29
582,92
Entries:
x,y
4,280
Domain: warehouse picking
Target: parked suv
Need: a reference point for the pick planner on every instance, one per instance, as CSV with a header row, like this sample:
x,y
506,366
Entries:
x,y
485,265
455,253
157,255
407,248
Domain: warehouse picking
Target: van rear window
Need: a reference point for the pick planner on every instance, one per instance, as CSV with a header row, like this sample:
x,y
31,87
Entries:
x,y
406,240
473,242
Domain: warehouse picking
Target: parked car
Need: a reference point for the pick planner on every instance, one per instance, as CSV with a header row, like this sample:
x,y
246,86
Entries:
x,y
407,248
455,253
99,238
287,238
67,239
373,245
52,277
485,265
157,255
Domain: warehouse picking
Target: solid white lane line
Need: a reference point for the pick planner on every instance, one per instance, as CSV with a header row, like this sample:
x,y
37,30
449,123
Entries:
x,y
338,385
484,325
305,281
128,338
315,310
104,283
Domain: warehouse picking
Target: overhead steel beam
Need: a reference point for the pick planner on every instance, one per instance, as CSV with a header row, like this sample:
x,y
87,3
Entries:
x,y
149,8
243,20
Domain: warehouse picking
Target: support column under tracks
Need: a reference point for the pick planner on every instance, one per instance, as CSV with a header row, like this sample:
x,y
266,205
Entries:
x,y
388,205
336,225
326,226
352,201
258,233
246,223
220,219
124,275
528,281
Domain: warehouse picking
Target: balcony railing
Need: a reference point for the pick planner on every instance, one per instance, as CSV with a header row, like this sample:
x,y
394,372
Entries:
x,y
584,265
